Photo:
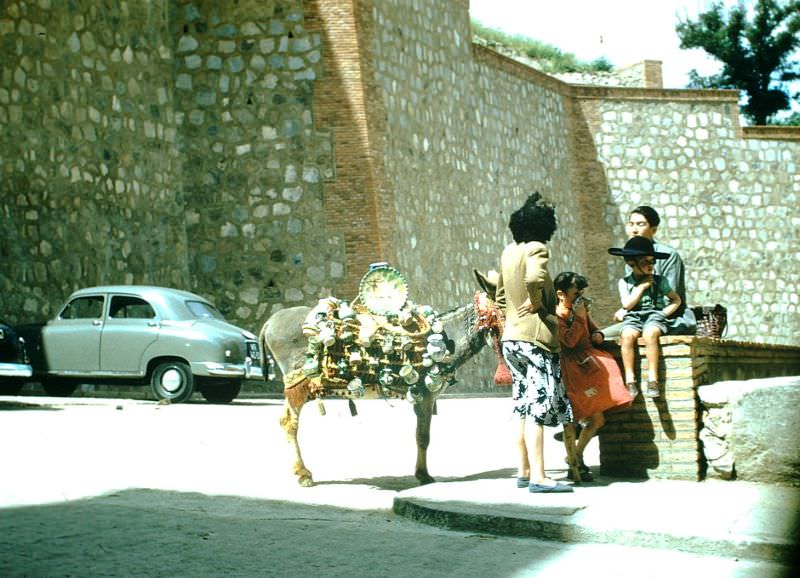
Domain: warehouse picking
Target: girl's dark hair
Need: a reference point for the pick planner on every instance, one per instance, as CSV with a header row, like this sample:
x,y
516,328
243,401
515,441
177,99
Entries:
x,y
567,279
534,221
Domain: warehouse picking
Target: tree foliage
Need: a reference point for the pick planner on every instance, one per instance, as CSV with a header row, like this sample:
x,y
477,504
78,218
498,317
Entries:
x,y
756,55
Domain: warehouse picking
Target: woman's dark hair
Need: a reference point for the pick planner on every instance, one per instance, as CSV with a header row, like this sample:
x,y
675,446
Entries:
x,y
649,213
567,279
534,221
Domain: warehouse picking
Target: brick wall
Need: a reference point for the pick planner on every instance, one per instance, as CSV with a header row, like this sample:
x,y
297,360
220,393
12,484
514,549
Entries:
x,y
344,104
658,438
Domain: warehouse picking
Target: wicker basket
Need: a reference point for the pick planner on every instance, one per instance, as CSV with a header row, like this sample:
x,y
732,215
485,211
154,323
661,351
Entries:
x,y
711,321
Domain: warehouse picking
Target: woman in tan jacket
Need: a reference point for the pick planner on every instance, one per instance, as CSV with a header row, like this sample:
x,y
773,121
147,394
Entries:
x,y
530,341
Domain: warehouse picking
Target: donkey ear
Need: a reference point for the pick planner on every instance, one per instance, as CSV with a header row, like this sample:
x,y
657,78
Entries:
x,y
486,284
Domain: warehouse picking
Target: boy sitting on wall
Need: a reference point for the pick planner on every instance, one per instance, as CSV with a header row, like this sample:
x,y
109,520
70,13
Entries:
x,y
648,301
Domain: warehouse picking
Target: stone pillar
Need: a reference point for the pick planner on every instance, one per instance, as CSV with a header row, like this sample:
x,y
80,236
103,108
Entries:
x,y
652,74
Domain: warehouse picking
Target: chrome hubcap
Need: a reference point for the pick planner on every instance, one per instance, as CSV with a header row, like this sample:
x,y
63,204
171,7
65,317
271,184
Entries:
x,y
171,380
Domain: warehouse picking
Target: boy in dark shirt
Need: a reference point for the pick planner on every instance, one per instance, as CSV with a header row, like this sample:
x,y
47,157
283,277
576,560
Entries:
x,y
649,301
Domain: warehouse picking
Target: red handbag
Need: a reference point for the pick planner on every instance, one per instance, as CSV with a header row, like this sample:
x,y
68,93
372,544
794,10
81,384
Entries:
x,y
502,375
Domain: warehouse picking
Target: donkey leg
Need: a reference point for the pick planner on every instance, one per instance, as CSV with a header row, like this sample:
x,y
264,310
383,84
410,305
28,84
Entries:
x,y
290,422
424,411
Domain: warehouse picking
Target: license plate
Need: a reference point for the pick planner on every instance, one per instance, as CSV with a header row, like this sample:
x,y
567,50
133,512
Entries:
x,y
252,351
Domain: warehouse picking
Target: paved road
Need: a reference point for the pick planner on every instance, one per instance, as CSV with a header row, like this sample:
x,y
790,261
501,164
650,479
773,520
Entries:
x,y
125,487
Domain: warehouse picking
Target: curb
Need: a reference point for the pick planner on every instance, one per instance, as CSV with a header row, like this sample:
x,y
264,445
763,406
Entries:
x,y
551,529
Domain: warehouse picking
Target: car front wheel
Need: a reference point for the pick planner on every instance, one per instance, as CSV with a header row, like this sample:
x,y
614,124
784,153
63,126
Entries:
x,y
220,391
172,381
11,386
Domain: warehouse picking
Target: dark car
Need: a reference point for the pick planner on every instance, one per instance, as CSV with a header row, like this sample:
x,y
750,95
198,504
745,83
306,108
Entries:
x,y
174,340
14,367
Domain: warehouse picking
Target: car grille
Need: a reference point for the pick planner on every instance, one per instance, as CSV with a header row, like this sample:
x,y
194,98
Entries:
x,y
252,351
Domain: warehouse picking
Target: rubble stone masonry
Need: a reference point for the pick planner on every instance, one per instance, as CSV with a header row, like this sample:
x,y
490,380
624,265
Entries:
x,y
263,153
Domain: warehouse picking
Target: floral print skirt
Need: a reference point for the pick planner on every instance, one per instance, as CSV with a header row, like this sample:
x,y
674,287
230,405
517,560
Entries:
x,y
538,391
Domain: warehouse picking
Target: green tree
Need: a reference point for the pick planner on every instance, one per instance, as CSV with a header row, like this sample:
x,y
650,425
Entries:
x,y
756,55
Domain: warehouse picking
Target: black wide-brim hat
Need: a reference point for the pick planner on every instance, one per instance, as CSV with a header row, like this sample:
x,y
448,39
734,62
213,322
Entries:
x,y
638,247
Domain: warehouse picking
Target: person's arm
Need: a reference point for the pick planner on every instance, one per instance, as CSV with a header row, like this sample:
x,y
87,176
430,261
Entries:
x,y
535,274
672,295
500,295
569,333
592,325
675,302
595,334
630,299
672,269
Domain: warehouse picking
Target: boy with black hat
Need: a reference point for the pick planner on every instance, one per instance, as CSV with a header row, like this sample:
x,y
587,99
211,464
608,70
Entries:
x,y
648,300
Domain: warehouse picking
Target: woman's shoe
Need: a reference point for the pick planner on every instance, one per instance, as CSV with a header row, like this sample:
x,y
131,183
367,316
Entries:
x,y
557,488
652,389
632,388
523,482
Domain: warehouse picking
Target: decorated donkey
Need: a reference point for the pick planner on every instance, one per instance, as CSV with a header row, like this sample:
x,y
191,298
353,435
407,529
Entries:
x,y
384,347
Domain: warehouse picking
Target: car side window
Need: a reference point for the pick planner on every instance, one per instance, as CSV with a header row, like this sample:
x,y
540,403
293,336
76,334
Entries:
x,y
128,307
90,307
204,310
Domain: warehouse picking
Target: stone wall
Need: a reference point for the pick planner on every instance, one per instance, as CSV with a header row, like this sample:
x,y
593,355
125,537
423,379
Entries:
x,y
659,438
263,153
728,204
468,134
254,161
88,152
164,142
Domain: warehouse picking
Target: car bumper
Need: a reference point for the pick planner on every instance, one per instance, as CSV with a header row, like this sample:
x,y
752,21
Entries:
x,y
246,370
17,370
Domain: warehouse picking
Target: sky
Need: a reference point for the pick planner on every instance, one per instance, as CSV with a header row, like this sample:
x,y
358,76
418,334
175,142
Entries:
x,y
623,31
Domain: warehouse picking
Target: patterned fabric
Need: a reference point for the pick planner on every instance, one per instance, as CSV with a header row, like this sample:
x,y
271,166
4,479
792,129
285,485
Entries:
x,y
538,391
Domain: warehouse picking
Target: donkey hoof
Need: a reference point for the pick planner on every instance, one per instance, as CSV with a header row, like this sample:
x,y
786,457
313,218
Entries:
x,y
425,479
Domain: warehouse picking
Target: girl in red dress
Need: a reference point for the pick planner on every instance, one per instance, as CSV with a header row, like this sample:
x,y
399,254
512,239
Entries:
x,y
592,377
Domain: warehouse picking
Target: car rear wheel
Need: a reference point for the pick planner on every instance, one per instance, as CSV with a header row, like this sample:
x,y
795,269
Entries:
x,y
220,391
59,387
11,386
172,381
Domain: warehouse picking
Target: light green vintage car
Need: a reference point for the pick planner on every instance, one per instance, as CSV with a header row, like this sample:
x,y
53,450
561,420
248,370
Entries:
x,y
176,341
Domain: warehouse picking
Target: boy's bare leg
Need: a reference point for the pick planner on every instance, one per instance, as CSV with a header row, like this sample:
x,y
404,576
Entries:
x,y
651,335
627,345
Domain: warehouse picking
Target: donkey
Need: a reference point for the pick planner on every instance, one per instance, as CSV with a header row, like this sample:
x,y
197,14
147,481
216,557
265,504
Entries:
x,y
282,336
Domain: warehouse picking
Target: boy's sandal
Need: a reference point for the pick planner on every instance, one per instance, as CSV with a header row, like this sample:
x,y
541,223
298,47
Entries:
x,y
632,388
652,389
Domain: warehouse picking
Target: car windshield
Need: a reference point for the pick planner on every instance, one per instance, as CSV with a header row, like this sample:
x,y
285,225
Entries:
x,y
204,310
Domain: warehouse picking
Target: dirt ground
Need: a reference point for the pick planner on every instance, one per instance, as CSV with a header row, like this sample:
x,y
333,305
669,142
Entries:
x,y
133,488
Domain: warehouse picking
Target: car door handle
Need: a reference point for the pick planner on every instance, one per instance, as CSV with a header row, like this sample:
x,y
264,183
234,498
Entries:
x,y
152,323
97,322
